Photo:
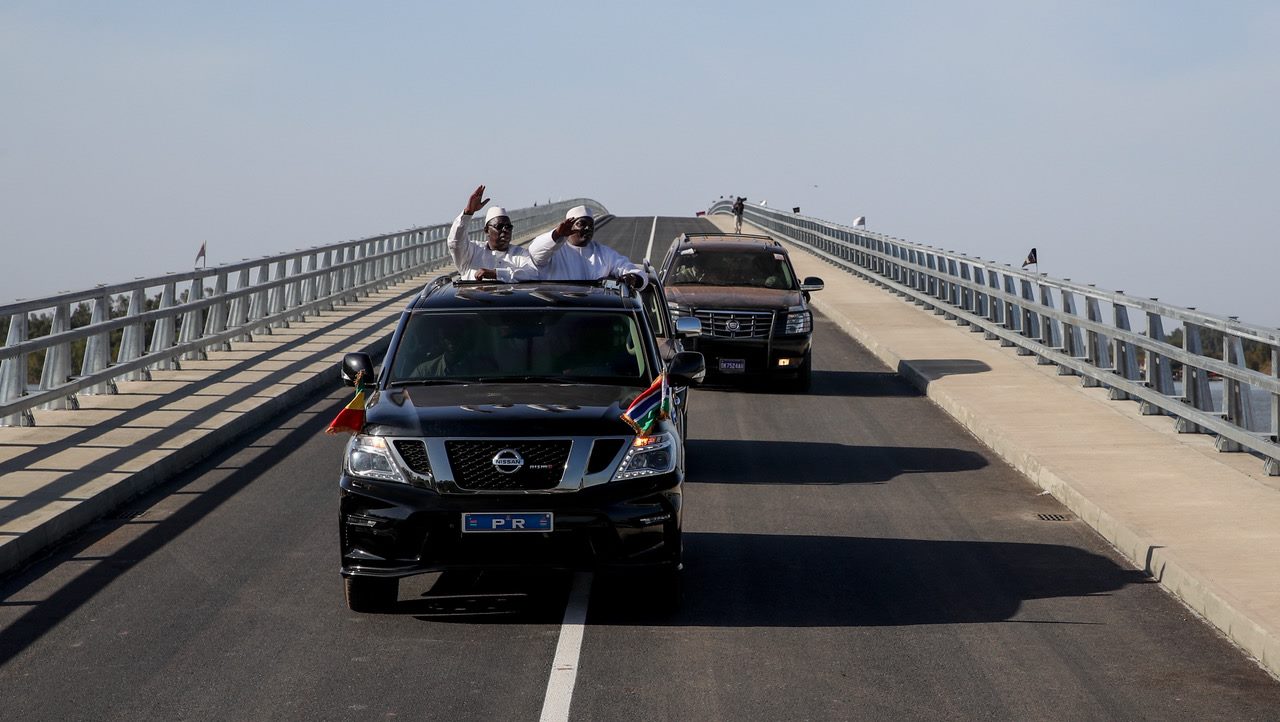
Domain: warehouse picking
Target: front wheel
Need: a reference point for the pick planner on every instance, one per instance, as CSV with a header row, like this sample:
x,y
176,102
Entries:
x,y
370,594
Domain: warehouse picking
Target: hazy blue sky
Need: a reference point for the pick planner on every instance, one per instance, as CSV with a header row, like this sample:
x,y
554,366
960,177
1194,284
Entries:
x,y
1134,143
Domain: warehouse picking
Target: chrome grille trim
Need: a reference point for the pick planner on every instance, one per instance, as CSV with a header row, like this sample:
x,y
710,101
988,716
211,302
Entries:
x,y
719,323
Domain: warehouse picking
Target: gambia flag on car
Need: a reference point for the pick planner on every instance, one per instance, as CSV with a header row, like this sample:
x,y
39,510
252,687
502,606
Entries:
x,y
351,418
650,407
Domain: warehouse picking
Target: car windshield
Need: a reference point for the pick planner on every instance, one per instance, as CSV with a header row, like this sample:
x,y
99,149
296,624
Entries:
x,y
521,345
759,269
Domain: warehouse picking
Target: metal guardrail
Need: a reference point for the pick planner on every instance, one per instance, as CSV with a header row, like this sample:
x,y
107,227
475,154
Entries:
x,y
1042,316
246,298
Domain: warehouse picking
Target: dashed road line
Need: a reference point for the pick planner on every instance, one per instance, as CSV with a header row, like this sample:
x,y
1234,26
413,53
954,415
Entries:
x,y
564,668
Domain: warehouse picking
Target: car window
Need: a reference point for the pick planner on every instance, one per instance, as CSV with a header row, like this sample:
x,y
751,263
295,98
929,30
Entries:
x,y
516,344
759,269
656,309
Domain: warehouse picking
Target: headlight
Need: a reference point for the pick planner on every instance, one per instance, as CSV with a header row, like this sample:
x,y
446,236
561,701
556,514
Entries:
x,y
648,455
368,457
798,322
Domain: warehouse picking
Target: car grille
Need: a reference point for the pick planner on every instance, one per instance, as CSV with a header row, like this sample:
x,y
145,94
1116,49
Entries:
x,y
735,324
414,454
473,467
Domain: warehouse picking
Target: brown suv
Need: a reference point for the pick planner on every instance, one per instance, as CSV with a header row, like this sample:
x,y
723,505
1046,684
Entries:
x,y
755,315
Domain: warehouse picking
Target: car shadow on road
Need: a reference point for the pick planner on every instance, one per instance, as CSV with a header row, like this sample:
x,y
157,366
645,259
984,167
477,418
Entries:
x,y
725,461
824,383
767,580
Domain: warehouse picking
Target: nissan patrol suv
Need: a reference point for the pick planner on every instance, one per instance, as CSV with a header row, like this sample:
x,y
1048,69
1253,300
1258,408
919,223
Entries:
x,y
493,437
755,315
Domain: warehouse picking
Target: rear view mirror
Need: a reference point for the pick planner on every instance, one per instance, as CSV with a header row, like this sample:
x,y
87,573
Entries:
x,y
812,283
355,363
688,327
686,368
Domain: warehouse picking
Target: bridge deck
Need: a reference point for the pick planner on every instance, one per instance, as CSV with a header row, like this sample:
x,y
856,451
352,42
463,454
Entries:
x,y
1201,522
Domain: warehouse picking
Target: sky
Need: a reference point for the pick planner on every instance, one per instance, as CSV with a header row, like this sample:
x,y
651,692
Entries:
x,y
1135,144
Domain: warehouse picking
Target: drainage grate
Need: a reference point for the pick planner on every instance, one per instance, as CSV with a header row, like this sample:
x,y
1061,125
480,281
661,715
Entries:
x,y
1053,517
127,515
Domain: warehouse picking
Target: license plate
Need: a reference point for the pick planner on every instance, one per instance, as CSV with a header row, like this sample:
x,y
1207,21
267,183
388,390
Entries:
x,y
733,365
521,521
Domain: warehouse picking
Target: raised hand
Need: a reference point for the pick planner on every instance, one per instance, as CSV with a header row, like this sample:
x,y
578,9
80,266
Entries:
x,y
475,203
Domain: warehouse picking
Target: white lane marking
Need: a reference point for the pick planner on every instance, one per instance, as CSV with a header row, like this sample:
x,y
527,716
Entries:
x,y
564,668
652,231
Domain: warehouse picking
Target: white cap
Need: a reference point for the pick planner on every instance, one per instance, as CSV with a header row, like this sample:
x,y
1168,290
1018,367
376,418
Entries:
x,y
494,212
578,212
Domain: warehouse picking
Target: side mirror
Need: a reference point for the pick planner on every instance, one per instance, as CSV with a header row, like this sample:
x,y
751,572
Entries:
x,y
686,368
353,364
688,327
812,283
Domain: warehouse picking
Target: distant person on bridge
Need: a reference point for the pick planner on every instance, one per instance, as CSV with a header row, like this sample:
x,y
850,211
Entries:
x,y
581,259
494,259
738,206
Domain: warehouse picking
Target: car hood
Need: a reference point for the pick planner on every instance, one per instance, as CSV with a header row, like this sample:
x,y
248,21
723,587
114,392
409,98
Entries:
x,y
488,410
733,297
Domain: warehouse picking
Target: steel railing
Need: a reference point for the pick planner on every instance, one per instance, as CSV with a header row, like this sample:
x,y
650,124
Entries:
x,y
207,309
1084,330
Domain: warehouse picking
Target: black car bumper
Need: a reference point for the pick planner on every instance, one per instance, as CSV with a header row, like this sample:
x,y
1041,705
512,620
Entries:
x,y
728,359
396,530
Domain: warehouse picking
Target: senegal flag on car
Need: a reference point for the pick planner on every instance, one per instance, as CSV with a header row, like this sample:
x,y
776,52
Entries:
x,y
351,418
650,407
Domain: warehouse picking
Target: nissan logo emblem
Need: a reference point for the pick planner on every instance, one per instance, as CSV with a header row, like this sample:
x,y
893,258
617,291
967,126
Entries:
x,y
508,461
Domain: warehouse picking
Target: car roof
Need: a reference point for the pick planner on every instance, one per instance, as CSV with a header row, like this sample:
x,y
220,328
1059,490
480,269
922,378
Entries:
x,y
446,292
728,242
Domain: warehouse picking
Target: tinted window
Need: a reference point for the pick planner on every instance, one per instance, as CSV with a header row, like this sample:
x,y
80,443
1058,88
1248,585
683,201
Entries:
x,y
702,267
588,346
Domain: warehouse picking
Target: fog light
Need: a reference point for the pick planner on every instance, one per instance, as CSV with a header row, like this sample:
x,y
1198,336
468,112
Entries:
x,y
650,520
783,362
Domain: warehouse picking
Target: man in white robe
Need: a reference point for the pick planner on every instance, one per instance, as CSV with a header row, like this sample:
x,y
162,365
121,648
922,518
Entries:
x,y
493,259
567,253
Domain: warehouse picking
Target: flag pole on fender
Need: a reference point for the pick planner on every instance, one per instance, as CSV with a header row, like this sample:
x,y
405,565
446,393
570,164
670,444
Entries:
x,y
351,417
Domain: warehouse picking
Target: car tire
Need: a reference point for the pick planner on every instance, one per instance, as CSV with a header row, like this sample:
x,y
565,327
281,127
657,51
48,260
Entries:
x,y
370,594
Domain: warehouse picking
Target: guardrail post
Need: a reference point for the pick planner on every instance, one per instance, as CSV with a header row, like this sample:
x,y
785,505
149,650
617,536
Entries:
x,y
258,299
193,322
1237,399
133,337
1126,354
1273,465
13,373
275,297
293,290
216,320
995,305
1159,369
238,311
57,362
1195,381
1012,311
1072,338
311,286
163,334
1098,350
97,349
1050,333
1029,318
326,281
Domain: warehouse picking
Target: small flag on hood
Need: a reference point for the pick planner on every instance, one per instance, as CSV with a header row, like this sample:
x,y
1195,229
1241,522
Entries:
x,y
200,254
1031,258
351,418
650,407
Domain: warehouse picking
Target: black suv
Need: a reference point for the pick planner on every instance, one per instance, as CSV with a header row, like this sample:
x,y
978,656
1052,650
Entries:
x,y
493,437
755,315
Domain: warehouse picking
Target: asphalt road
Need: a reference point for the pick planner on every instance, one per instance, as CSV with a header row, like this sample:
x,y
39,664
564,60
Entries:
x,y
851,554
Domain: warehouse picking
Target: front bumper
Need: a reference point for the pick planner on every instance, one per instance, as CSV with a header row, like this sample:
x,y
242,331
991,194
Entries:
x,y
760,358
396,530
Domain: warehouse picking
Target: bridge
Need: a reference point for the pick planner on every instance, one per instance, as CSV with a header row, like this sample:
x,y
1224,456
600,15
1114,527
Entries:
x,y
997,500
